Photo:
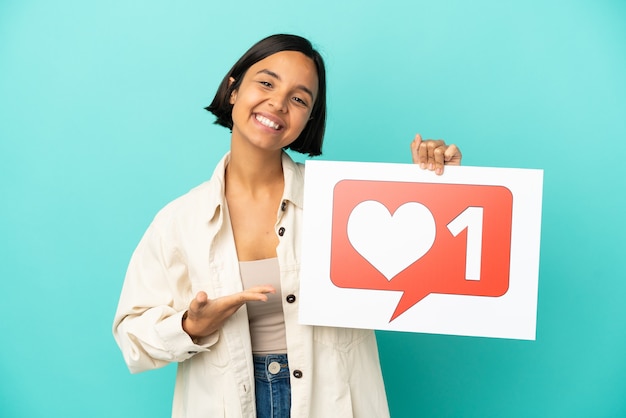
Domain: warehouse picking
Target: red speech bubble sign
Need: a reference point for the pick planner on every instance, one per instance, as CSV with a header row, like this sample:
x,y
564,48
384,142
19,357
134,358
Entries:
x,y
421,238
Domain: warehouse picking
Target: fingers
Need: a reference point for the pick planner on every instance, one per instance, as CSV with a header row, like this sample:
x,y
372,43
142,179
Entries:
x,y
433,154
256,293
429,153
415,145
206,316
452,155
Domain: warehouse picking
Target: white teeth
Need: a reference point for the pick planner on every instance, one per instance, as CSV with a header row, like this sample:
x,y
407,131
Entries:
x,y
266,122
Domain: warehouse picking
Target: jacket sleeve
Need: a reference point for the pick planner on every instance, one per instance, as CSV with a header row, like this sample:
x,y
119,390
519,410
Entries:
x,y
155,295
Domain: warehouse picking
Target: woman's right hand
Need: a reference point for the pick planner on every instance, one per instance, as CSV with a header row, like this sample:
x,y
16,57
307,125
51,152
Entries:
x,y
205,316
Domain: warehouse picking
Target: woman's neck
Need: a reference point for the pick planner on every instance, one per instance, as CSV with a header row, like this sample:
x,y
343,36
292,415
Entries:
x,y
254,171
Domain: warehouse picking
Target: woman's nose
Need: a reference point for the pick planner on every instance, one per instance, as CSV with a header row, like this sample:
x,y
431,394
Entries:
x,y
278,101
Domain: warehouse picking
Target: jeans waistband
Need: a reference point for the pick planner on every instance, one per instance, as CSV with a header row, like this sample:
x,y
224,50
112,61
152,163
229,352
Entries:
x,y
271,366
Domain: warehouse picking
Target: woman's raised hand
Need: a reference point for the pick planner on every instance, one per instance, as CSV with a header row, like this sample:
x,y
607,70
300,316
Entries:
x,y
433,154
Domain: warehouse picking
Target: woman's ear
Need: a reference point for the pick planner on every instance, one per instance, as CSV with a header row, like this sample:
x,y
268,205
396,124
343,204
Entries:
x,y
233,94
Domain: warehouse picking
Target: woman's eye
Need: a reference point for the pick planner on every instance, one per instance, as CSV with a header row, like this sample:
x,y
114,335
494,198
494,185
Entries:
x,y
265,83
300,101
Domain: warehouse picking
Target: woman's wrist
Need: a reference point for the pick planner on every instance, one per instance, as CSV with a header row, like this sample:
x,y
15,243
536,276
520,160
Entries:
x,y
193,337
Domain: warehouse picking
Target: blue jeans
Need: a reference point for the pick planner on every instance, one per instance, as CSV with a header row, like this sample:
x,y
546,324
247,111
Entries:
x,y
272,387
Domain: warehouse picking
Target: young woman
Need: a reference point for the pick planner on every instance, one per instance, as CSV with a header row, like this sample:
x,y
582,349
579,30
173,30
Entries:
x,y
213,284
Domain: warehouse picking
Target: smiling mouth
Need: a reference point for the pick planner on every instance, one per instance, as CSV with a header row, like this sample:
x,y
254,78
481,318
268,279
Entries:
x,y
267,122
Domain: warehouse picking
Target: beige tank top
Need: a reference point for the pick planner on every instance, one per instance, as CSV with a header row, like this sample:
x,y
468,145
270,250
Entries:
x,y
267,322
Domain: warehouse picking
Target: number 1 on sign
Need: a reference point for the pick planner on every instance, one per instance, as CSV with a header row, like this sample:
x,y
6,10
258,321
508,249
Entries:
x,y
472,220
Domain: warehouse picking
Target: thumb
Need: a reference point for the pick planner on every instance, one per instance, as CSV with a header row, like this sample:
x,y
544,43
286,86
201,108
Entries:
x,y
202,297
415,144
199,302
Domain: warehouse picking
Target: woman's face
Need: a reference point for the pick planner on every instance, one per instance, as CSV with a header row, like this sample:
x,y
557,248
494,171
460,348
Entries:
x,y
274,101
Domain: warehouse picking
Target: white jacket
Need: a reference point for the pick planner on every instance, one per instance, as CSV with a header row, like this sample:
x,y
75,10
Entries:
x,y
189,247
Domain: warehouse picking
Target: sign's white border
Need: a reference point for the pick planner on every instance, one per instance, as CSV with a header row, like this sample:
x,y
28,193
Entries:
x,y
512,315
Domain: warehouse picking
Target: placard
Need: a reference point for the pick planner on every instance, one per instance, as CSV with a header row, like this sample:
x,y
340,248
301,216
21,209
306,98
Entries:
x,y
394,247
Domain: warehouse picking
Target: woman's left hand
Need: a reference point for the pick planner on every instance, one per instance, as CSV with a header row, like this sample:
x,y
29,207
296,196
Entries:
x,y
433,154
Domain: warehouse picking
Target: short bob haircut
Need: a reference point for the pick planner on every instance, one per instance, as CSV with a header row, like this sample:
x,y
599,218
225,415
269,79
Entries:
x,y
312,136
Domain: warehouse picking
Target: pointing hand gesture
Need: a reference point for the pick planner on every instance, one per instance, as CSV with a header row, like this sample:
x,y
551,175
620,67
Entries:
x,y
205,316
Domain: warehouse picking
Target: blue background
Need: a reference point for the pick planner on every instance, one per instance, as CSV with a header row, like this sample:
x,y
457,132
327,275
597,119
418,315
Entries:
x,y
101,124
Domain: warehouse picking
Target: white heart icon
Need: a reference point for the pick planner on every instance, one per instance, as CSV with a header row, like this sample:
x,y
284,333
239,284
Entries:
x,y
389,242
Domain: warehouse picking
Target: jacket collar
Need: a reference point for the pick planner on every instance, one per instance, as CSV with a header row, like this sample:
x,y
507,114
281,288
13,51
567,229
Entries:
x,y
294,181
293,192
